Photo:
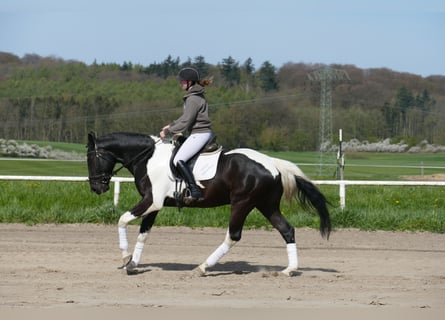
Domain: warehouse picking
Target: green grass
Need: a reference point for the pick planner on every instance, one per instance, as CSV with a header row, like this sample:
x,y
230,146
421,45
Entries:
x,y
367,207
370,166
34,167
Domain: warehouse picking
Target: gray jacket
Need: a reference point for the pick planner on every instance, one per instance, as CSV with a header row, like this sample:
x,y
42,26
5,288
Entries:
x,y
195,117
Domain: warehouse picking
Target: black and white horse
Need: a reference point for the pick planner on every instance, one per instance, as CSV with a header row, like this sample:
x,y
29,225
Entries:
x,y
243,178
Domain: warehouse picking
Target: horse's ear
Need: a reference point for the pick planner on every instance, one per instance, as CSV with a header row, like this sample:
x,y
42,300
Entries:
x,y
91,138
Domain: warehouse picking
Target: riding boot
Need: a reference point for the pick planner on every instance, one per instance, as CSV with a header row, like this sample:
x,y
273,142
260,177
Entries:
x,y
187,175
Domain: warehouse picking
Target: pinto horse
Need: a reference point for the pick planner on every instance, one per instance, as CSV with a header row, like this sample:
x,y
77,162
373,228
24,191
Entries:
x,y
244,178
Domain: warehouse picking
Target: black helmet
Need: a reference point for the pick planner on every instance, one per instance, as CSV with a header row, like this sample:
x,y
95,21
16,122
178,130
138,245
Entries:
x,y
188,74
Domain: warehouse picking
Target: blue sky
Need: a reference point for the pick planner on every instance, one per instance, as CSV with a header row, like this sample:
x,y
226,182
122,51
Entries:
x,y
402,35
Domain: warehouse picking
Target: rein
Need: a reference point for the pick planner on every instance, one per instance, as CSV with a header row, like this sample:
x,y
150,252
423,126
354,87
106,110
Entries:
x,y
104,178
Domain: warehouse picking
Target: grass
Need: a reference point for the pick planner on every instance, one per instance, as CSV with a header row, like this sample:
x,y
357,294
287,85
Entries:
x,y
34,167
368,207
370,166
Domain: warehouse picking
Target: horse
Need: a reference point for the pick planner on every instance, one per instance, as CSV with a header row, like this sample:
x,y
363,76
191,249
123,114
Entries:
x,y
244,178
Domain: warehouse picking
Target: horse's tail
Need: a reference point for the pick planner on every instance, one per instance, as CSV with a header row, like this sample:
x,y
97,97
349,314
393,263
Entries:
x,y
297,185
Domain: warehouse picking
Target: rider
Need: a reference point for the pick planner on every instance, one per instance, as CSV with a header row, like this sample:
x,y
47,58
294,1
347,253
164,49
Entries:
x,y
193,122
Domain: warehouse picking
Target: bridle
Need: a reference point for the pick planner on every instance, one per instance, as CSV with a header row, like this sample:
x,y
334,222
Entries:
x,y
104,178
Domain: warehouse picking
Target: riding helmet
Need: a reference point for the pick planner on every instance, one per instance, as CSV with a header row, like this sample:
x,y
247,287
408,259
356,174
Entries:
x,y
188,74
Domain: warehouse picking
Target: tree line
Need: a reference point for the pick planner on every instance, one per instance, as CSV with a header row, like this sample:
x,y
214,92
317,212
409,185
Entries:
x,y
47,98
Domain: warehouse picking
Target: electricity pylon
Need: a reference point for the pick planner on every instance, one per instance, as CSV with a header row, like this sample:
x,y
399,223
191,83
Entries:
x,y
326,76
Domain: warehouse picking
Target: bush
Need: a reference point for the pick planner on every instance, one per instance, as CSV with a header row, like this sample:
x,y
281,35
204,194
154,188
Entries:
x,y
11,148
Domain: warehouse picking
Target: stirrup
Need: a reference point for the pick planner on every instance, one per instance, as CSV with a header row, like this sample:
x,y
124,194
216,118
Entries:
x,y
190,198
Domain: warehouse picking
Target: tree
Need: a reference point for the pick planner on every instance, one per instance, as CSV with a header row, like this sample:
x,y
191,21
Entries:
x,y
8,58
424,101
268,78
391,117
168,67
230,71
46,98
126,66
201,65
248,74
248,67
404,101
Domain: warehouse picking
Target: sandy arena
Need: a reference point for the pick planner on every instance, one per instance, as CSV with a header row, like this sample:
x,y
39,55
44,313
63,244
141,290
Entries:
x,y
355,273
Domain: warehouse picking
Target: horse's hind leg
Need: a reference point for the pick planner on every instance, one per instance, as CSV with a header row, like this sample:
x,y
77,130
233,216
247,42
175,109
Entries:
x,y
280,223
220,252
233,235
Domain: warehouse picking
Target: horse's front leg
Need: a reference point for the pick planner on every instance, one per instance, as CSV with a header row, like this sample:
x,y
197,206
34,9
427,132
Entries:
x,y
124,220
140,209
144,230
148,208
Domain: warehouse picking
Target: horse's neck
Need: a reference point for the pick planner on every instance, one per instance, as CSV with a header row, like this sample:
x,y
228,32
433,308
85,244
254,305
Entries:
x,y
161,156
129,159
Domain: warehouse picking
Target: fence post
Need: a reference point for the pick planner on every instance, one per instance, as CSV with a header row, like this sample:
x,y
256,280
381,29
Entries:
x,y
342,194
117,189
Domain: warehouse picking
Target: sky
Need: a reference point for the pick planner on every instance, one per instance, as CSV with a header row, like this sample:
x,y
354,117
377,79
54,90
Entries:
x,y
402,35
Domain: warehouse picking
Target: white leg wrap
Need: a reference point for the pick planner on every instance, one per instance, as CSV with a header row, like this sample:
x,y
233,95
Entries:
x,y
139,247
217,254
292,256
293,260
122,230
123,242
220,251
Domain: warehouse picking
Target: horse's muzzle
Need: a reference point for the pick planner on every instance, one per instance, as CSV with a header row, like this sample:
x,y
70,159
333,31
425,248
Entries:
x,y
99,188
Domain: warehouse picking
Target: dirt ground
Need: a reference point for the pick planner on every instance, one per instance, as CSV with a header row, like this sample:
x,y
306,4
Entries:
x,y
75,267
430,177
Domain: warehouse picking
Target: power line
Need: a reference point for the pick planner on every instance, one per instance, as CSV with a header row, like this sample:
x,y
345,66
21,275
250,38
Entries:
x,y
129,114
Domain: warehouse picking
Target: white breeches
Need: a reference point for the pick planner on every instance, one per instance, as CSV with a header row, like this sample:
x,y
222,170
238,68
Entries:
x,y
191,146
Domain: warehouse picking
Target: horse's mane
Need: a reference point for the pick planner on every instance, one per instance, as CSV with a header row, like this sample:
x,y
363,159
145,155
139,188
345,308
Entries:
x,y
123,139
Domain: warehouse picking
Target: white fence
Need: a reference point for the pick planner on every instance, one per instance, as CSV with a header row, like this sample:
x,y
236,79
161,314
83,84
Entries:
x,y
341,183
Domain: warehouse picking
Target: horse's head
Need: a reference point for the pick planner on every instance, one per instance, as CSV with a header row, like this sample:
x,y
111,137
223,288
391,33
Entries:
x,y
100,166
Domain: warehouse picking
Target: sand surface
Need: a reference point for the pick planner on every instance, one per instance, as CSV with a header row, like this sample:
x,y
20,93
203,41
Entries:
x,y
356,274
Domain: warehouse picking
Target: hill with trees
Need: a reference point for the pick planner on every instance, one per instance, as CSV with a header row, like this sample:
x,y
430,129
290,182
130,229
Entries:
x,y
265,107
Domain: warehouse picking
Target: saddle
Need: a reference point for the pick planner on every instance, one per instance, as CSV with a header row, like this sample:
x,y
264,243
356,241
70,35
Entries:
x,y
210,147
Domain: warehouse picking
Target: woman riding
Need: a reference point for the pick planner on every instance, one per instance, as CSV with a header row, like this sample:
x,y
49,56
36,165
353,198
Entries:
x,y
194,123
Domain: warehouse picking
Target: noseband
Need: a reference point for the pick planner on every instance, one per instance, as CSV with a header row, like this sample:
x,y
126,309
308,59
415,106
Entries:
x,y
103,178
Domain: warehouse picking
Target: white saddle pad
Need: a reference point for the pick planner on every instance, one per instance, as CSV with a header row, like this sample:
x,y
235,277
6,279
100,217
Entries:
x,y
206,164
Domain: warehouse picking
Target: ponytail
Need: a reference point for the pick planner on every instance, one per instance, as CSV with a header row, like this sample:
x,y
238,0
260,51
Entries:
x,y
206,81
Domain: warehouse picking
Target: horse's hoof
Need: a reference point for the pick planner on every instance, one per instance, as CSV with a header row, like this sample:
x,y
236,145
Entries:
x,y
126,259
201,269
290,272
131,268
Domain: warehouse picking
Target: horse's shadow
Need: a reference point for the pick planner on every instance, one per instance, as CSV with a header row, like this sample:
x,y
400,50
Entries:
x,y
227,268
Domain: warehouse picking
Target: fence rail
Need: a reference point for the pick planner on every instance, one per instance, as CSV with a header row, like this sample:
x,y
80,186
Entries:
x,y
341,183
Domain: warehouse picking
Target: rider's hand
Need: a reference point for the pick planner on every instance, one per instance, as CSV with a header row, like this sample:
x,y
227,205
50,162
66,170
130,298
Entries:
x,y
162,133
